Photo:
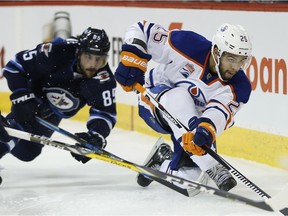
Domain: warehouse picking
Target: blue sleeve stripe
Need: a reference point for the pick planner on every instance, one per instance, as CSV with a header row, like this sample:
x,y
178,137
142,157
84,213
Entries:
x,y
151,78
108,121
141,26
105,115
17,64
218,108
149,30
10,70
96,111
14,66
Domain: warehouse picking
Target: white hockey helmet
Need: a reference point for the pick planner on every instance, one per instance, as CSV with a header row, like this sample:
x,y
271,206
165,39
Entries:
x,y
232,39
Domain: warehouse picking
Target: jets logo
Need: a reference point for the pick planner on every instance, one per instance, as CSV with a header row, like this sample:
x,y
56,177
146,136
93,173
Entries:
x,y
61,99
102,76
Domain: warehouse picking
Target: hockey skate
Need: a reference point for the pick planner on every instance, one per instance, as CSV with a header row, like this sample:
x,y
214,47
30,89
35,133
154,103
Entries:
x,y
222,177
1,168
159,153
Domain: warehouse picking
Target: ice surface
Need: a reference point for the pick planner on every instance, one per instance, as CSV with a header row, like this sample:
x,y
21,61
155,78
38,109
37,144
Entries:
x,y
56,184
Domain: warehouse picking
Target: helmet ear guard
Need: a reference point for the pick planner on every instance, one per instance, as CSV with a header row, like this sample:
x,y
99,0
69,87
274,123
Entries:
x,y
94,41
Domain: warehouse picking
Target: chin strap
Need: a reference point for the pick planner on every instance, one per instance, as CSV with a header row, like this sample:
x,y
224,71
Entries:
x,y
217,63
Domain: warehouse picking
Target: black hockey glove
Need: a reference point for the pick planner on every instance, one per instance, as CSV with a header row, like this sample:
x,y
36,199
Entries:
x,y
4,136
93,139
24,106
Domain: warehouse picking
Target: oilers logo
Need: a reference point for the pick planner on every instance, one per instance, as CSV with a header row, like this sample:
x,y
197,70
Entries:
x,y
197,95
61,99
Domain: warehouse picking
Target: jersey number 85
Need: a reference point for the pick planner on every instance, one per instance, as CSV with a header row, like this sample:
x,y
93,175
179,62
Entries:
x,y
109,97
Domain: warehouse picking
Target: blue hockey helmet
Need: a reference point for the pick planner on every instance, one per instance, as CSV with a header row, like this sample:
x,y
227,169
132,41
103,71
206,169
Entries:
x,y
94,41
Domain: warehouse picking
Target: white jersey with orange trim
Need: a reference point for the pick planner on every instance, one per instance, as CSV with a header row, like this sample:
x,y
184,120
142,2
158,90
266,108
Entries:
x,y
183,62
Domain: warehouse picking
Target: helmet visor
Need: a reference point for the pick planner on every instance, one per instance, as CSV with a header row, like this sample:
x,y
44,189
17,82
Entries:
x,y
92,61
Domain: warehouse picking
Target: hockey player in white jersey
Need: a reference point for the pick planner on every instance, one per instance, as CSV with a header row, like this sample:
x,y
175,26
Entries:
x,y
199,82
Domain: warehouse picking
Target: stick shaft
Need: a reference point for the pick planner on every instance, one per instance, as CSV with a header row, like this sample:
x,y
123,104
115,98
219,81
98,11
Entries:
x,y
162,178
217,157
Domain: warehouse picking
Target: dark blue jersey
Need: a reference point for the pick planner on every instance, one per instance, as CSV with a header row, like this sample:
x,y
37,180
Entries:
x,y
49,71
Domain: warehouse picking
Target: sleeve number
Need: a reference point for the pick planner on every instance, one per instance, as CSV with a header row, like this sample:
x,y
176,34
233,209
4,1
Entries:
x,y
109,97
29,55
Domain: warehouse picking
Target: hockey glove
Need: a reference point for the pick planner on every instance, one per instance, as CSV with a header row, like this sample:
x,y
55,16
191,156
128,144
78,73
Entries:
x,y
4,136
24,106
205,135
132,67
93,140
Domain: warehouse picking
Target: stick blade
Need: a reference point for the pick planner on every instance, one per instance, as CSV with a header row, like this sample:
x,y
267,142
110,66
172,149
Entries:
x,y
279,201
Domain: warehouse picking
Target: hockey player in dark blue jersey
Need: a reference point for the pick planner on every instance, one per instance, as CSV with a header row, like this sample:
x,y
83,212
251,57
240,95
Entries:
x,y
54,81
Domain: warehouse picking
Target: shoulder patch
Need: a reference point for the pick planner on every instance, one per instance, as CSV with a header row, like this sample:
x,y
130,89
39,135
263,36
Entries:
x,y
46,48
102,76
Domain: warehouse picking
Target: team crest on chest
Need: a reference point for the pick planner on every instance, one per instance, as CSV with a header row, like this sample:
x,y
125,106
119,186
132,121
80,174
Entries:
x,y
197,95
61,99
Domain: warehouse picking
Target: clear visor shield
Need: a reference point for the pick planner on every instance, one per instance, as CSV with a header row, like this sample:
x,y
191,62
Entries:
x,y
247,62
89,58
101,59
237,61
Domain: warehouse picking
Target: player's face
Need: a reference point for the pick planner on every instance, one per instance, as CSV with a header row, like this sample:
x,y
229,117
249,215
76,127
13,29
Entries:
x,y
90,63
230,64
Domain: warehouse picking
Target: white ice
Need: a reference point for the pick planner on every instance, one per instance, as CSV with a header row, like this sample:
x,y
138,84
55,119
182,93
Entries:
x,y
56,184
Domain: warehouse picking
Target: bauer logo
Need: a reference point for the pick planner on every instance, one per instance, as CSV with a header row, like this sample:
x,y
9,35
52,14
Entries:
x,y
61,99
134,60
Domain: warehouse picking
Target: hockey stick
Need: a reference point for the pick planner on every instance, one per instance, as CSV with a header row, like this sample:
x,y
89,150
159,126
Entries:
x,y
273,204
61,131
73,136
95,153
217,157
